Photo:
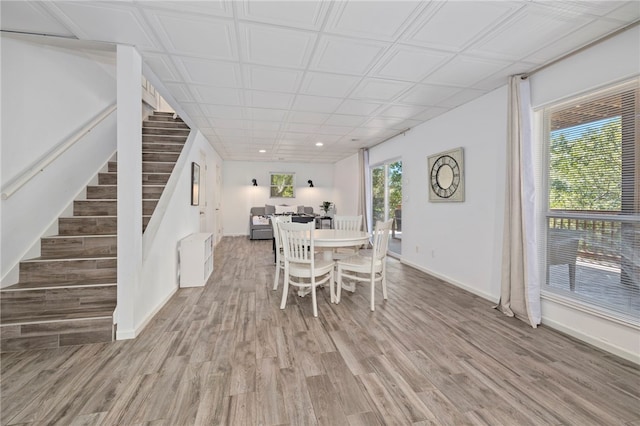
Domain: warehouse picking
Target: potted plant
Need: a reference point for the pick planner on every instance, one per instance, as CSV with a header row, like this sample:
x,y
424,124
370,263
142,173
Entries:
x,y
326,206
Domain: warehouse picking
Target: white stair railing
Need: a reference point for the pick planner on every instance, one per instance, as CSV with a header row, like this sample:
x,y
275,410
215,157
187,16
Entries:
x,y
40,165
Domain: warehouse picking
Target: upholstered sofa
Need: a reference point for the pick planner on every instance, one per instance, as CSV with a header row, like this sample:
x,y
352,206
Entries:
x,y
260,224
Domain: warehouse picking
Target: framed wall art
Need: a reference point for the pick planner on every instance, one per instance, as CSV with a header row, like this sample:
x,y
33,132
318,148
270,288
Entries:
x,y
195,184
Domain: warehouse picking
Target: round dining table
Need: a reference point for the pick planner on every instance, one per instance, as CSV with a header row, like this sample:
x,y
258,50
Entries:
x,y
333,238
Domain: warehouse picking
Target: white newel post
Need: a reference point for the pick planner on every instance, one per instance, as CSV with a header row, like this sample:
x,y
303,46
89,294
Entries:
x,y
129,98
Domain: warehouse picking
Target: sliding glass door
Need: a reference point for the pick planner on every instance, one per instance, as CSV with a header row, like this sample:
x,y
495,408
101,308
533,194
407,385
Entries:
x,y
386,202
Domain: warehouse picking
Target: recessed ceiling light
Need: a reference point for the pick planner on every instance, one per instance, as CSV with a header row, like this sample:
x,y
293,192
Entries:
x,y
319,144
262,151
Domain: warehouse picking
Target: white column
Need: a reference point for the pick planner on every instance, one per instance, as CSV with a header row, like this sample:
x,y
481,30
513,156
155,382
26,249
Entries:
x,y
129,98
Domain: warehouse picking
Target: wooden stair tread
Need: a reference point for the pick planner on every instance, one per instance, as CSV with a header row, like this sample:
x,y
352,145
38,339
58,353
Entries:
x,y
68,314
73,303
70,258
80,235
20,286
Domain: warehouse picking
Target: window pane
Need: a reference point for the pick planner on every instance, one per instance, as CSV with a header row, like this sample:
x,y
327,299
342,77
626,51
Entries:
x,y
592,251
282,185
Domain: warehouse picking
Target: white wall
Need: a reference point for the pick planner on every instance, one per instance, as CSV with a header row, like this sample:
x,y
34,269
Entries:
x,y
460,242
48,92
347,179
609,62
239,195
160,264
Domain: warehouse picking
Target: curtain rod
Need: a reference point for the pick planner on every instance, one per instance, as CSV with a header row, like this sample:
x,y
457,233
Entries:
x,y
580,49
402,132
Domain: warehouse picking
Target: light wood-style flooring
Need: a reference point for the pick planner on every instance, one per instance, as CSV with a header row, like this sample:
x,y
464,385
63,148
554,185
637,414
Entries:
x,y
226,354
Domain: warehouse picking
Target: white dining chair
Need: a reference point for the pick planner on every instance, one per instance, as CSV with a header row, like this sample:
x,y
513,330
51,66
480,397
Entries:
x,y
346,223
368,268
277,241
300,262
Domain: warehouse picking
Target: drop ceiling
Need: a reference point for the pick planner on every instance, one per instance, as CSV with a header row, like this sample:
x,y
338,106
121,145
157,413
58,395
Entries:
x,y
282,76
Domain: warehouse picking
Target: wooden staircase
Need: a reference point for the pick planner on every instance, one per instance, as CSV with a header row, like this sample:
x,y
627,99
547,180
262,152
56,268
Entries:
x,y
67,296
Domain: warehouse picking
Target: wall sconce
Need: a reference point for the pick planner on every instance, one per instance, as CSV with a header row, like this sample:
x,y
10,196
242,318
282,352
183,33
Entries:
x,y
310,182
254,182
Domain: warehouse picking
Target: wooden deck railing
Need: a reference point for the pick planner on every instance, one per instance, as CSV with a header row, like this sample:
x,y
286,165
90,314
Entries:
x,y
604,236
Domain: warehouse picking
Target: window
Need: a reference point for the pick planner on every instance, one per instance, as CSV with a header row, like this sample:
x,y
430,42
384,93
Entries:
x,y
386,192
592,217
283,185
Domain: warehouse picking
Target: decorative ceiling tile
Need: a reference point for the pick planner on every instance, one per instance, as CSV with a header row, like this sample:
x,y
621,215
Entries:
x,y
256,74
382,122
276,46
260,99
266,114
272,79
232,133
524,33
265,125
376,89
161,66
179,91
463,71
211,73
354,107
628,12
323,84
426,94
344,55
580,37
195,36
217,95
30,17
373,19
402,111
454,25
334,130
316,103
430,113
307,117
346,120
301,128
299,14
502,77
223,111
115,23
462,97
210,7
228,123
409,63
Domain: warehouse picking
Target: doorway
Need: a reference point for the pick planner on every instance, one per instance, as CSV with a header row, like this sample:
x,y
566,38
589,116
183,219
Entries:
x,y
386,202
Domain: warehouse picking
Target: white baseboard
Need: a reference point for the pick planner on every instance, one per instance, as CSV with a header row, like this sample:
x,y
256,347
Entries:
x,y
451,281
605,346
133,333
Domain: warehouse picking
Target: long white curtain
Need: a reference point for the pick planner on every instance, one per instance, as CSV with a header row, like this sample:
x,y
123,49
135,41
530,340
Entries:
x,y
520,294
364,193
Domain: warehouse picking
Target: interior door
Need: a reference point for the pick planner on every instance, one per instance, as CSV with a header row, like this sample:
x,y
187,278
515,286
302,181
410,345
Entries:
x,y
217,214
204,194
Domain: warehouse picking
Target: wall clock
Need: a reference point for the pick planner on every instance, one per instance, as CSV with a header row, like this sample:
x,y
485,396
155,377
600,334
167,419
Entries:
x,y
446,176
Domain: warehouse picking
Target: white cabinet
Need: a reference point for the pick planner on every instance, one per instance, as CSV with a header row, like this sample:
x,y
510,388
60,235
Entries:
x,y
196,259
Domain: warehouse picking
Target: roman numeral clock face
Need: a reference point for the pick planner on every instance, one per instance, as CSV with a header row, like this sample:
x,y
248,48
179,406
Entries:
x,y
446,181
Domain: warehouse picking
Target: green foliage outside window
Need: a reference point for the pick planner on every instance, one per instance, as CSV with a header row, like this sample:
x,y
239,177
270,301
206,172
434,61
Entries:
x,y
585,167
282,185
378,188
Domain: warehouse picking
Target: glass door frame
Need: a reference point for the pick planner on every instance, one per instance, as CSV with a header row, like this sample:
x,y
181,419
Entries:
x,y
387,211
